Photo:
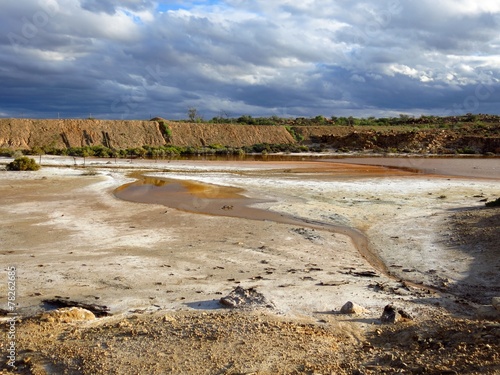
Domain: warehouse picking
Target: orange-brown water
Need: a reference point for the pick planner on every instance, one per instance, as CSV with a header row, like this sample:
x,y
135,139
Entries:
x,y
217,200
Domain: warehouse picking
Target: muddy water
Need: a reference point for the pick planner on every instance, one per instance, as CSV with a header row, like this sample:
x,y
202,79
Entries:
x,y
474,167
217,200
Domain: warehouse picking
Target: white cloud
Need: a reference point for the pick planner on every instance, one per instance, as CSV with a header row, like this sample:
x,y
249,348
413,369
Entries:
x,y
358,78
311,57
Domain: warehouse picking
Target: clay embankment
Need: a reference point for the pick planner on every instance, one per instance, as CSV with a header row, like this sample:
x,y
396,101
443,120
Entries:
x,y
467,139
121,134
186,134
60,134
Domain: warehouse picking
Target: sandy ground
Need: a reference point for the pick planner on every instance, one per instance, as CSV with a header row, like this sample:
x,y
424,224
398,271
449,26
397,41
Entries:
x,y
70,237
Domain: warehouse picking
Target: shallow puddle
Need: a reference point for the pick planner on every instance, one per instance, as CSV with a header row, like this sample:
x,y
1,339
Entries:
x,y
218,200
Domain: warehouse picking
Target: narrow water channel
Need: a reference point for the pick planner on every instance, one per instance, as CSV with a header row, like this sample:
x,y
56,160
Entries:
x,y
218,200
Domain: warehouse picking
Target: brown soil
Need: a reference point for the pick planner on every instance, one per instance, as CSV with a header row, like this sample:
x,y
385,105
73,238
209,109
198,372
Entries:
x,y
257,343
475,233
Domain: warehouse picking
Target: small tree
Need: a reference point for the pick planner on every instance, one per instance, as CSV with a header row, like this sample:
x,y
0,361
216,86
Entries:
x,y
23,163
85,154
38,151
194,115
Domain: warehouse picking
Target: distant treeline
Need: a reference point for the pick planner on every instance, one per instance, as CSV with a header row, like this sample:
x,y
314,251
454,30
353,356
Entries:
x,y
431,121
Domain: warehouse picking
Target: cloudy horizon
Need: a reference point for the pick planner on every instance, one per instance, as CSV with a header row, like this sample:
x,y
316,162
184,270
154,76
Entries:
x,y
136,59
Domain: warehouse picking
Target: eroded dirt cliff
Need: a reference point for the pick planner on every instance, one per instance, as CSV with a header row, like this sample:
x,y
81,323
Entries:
x,y
59,134
121,134
468,138
187,134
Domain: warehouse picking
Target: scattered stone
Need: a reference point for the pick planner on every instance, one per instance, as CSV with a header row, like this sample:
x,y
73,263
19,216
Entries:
x,y
352,308
308,234
495,301
409,270
390,315
487,312
67,315
241,298
307,278
333,283
97,310
168,318
365,274
378,287
405,315
309,269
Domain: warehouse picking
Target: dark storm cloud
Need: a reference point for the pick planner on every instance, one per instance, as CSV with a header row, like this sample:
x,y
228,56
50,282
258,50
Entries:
x,y
136,58
110,6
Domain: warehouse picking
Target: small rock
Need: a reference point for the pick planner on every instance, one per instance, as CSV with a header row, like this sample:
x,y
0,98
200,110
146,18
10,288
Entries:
x,y
245,298
487,312
352,308
67,315
495,301
405,315
390,315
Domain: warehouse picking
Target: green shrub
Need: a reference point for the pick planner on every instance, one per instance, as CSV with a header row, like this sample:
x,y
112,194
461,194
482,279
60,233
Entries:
x,y
165,130
23,164
84,152
298,137
495,203
467,150
6,152
101,151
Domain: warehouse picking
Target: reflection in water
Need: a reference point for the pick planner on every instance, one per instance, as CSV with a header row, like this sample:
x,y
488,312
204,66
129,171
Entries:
x,y
228,201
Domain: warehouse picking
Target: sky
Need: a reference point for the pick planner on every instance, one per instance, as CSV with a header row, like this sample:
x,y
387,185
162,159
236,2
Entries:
x,y
137,59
